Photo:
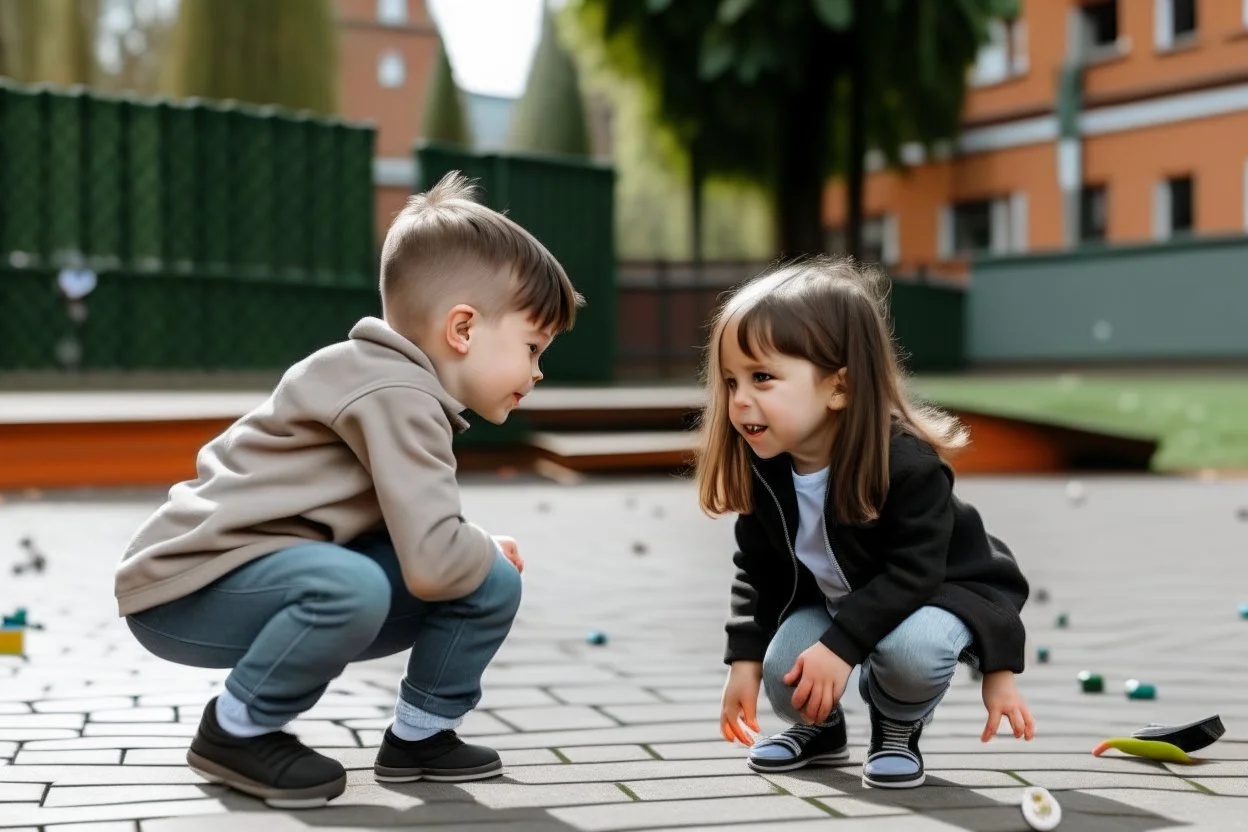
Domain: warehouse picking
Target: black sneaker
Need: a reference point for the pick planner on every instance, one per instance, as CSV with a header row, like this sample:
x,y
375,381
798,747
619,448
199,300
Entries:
x,y
442,758
802,745
893,758
274,767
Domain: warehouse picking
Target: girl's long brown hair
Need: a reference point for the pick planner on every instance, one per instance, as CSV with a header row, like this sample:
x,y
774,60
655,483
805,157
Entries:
x,y
832,313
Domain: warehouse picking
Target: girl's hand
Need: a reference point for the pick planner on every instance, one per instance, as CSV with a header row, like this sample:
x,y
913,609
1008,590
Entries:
x,y
740,702
510,551
820,676
1002,699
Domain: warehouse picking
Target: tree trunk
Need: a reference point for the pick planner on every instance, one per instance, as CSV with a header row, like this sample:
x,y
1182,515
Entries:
x,y
799,183
697,184
857,149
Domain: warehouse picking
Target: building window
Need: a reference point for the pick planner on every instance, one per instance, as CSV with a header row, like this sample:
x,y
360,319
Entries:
x,y
1100,25
1173,207
1004,56
1092,214
879,240
1184,17
392,12
1180,204
972,227
391,69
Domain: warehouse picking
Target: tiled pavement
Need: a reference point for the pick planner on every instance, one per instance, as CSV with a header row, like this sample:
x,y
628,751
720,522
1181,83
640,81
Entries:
x,y
623,736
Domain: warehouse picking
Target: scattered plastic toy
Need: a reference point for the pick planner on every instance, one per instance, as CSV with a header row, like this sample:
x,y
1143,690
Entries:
x,y
36,561
1042,596
1062,621
1040,809
543,508
640,548
1242,513
1167,743
1075,492
1091,682
1136,689
13,633
1243,610
596,638
1042,655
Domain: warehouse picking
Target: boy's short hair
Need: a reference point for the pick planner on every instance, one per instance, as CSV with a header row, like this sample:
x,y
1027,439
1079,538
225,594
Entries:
x,y
444,247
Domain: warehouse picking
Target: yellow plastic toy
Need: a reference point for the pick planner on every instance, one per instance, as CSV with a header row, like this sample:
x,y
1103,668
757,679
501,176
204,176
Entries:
x,y
13,634
1149,749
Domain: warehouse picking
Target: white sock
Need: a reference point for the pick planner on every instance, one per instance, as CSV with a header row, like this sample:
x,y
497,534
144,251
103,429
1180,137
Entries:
x,y
413,724
233,718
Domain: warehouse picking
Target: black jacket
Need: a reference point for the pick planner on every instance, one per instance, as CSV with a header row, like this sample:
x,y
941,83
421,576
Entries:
x,y
927,548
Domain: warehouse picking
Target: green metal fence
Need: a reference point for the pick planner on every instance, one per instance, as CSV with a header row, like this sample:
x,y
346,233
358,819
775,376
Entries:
x,y
569,205
929,322
224,235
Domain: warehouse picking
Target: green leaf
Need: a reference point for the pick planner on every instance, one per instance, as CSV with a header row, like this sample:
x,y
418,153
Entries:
x,y
730,11
835,14
716,55
657,6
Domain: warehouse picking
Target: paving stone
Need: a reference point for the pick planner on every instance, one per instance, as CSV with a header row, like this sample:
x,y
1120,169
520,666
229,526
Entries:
x,y
100,757
25,814
913,823
106,826
133,715
27,734
700,750
1098,780
671,732
374,794
564,717
663,712
98,775
605,753
493,698
722,810
513,796
7,750
710,694
528,757
604,695
29,721
546,675
809,782
81,706
61,796
620,772
7,708
854,808
682,788
91,743
156,729
1231,786
1228,768
962,777
266,821
21,793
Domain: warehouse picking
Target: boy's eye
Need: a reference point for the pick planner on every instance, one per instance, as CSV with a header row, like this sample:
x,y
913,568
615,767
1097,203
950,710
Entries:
x,y
759,378
533,349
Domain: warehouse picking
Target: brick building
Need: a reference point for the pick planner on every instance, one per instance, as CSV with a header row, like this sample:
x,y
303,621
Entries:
x,y
1088,121
387,50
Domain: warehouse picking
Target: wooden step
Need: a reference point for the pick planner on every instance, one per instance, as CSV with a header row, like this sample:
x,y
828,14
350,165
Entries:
x,y
619,450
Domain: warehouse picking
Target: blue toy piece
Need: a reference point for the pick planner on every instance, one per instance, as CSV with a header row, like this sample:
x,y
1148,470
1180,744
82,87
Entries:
x,y
596,638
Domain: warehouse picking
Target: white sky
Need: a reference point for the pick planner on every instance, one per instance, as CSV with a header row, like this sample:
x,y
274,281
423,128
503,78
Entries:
x,y
490,42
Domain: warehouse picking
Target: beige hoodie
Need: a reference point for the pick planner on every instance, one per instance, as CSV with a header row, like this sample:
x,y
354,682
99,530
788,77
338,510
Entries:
x,y
355,436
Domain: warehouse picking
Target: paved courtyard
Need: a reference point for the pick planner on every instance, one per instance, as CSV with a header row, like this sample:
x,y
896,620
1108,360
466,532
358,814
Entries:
x,y
624,736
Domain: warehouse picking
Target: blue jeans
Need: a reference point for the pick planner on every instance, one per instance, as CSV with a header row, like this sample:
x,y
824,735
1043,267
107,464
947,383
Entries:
x,y
905,676
289,623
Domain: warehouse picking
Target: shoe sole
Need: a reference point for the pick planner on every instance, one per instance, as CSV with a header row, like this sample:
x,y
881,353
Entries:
x,y
913,783
385,774
830,759
312,797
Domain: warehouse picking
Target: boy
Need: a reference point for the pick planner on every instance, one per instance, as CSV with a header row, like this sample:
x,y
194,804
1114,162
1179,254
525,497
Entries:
x,y
324,527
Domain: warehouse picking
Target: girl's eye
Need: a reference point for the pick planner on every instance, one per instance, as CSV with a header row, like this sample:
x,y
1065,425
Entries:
x,y
731,382
759,378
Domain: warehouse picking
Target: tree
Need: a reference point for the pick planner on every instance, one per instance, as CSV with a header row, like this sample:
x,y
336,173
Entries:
x,y
787,92
443,119
280,52
48,40
550,116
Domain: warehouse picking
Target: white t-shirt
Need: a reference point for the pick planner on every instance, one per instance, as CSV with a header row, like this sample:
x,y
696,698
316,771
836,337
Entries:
x,y
813,547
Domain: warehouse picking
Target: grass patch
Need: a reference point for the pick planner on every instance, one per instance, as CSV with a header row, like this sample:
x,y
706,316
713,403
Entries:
x,y
1197,420
632,795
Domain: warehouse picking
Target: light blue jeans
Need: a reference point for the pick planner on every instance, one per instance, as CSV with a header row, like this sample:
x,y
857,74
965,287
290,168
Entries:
x,y
905,676
289,623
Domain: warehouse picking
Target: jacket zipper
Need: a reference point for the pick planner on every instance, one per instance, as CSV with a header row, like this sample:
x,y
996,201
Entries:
x,y
788,540
827,542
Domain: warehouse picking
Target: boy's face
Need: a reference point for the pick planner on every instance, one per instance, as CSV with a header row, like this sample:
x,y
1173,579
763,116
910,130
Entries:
x,y
500,365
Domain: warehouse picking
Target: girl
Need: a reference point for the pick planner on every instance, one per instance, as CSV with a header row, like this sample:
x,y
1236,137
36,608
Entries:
x,y
852,548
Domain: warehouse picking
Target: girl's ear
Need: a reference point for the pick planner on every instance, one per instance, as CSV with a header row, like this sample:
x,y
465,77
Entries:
x,y
838,389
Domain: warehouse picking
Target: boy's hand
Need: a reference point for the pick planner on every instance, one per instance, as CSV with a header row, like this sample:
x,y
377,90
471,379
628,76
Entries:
x,y
1002,699
740,702
823,676
510,551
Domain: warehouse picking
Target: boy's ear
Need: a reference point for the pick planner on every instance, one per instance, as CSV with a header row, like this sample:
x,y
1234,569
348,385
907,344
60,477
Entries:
x,y
459,324
838,389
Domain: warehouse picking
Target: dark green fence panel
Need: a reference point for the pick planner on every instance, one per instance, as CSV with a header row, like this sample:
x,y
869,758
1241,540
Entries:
x,y
101,183
355,177
64,175
568,205
929,323
253,197
23,146
143,187
323,231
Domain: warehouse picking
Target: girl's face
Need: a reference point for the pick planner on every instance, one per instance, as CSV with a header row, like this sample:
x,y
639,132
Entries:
x,y
781,404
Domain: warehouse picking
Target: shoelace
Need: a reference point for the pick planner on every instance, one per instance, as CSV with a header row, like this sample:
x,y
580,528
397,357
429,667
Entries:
x,y
795,738
896,736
